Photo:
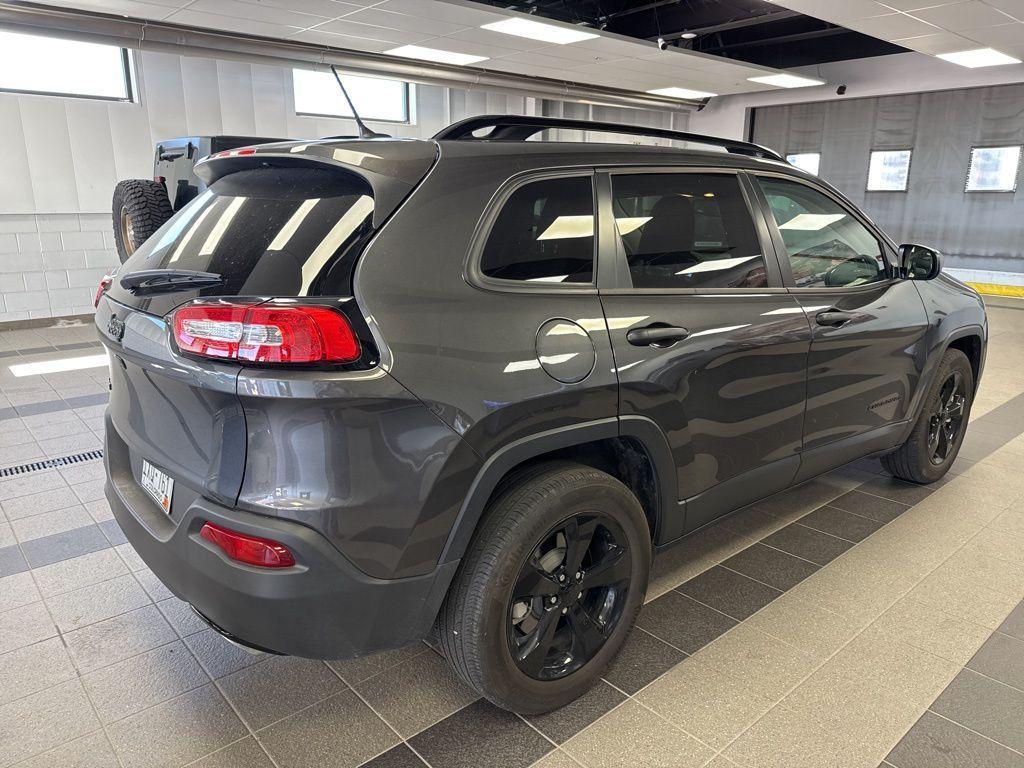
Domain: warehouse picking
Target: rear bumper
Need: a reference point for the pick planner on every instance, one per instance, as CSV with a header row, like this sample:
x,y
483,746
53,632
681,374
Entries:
x,y
324,607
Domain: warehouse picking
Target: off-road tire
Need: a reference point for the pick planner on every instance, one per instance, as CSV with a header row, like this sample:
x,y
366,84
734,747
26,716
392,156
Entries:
x,y
472,623
912,461
143,206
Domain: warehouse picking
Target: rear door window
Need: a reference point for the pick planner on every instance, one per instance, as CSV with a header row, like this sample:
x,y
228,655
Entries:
x,y
687,230
267,232
544,234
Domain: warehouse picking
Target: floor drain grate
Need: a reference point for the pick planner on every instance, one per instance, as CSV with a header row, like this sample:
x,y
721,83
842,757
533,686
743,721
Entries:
x,y
63,461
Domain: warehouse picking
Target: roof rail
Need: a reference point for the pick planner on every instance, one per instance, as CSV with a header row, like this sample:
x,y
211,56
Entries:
x,y
522,127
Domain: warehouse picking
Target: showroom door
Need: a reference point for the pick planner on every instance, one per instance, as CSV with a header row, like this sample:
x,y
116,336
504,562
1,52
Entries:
x,y
707,341
868,326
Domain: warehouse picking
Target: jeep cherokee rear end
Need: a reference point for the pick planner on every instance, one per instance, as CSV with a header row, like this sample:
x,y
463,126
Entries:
x,y
300,438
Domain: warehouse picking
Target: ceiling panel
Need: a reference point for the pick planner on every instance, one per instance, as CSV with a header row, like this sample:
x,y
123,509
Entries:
x,y
455,25
928,26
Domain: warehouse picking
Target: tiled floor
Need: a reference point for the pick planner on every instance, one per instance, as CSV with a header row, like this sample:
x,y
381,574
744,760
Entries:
x,y
850,621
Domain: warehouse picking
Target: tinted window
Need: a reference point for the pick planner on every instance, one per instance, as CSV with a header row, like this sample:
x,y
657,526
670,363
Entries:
x,y
826,245
271,232
544,233
687,230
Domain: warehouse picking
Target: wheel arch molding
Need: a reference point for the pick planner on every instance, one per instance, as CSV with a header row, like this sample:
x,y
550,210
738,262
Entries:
x,y
632,449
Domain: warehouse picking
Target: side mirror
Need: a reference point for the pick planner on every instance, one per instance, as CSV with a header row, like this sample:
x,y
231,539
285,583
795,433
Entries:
x,y
919,262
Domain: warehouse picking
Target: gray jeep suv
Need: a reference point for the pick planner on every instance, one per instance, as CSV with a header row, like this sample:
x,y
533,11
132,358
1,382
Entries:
x,y
366,389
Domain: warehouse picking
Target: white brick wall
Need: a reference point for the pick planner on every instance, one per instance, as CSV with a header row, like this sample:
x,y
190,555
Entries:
x,y
50,264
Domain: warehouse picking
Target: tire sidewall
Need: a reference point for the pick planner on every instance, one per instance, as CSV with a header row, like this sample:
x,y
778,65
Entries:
x,y
501,675
953,360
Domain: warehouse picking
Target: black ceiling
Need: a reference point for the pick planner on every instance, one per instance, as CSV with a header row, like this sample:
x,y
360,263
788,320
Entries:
x,y
749,30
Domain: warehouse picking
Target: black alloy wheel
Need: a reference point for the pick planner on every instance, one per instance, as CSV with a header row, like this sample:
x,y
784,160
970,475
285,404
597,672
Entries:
x,y
947,419
569,596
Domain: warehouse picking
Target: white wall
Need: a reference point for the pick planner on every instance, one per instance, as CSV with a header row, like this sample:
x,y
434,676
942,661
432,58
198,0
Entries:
x,y
901,73
62,157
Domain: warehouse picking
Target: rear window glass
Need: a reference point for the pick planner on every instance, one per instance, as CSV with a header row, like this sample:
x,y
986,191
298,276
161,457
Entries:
x,y
268,231
687,230
544,234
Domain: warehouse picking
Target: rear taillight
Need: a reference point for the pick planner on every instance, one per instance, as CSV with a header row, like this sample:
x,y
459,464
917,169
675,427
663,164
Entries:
x,y
265,333
105,284
251,550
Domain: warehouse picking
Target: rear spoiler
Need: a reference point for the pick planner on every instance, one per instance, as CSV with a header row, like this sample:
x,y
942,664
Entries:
x,y
392,167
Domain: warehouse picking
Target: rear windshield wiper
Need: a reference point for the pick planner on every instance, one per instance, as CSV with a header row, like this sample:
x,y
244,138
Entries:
x,y
149,281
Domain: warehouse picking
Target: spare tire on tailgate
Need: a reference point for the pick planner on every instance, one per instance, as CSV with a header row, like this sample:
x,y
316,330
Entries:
x,y
140,208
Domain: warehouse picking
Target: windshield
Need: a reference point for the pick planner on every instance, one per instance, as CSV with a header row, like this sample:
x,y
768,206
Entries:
x,y
267,232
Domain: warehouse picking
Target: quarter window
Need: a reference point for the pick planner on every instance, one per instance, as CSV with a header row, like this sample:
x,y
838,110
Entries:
x,y
544,234
826,245
687,230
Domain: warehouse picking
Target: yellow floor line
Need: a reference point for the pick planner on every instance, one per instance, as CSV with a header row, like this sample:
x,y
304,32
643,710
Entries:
x,y
992,289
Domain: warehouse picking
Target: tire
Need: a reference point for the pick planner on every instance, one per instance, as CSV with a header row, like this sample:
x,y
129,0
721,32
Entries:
x,y
914,461
140,207
477,625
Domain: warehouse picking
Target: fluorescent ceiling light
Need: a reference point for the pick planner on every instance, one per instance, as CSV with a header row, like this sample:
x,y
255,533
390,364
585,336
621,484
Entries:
x,y
682,93
536,30
434,54
58,366
716,265
786,81
981,57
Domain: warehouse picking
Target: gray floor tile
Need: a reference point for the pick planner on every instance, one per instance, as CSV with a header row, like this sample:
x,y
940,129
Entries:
x,y
177,731
354,671
118,638
1001,658
44,720
683,622
935,742
81,607
1014,623
992,709
562,724
66,575
219,657
277,687
642,659
397,757
897,490
24,626
836,522
89,751
143,681
481,734
242,754
17,590
770,566
180,616
340,732
112,531
12,561
868,505
799,540
416,693
64,546
729,592
26,505
51,523
34,668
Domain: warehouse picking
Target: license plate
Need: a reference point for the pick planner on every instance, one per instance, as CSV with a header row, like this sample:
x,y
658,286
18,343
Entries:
x,y
158,485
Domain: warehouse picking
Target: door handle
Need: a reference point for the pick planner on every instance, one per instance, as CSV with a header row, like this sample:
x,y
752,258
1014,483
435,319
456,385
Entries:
x,y
833,318
656,336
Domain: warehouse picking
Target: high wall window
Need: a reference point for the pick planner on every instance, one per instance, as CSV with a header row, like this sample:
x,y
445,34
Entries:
x,y
889,171
806,161
375,98
52,66
993,169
